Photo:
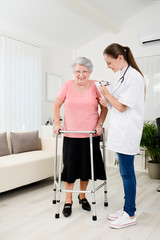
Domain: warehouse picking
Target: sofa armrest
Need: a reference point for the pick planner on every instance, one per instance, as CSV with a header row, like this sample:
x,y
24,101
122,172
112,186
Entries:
x,y
48,144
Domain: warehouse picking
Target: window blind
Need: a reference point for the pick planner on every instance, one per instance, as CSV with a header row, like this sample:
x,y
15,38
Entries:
x,y
20,79
150,67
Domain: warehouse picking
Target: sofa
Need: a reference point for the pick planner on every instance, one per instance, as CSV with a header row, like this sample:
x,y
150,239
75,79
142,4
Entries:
x,y
25,158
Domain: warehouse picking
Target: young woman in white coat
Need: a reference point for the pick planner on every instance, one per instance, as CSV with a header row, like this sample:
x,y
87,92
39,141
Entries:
x,y
126,104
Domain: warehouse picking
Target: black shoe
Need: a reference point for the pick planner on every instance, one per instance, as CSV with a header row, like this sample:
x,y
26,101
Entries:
x,y
67,210
85,204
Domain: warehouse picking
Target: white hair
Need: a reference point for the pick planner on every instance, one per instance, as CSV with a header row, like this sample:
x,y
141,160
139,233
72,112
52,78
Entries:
x,y
84,62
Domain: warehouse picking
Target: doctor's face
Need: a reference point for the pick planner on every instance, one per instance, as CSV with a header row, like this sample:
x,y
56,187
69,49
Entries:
x,y
112,63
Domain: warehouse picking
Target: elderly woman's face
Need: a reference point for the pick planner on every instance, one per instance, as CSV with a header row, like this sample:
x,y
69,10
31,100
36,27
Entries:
x,y
81,74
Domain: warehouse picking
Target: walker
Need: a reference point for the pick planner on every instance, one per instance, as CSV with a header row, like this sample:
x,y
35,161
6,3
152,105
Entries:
x,y
57,184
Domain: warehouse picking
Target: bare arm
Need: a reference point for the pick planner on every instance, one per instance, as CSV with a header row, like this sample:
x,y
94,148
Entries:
x,y
114,102
56,113
103,114
101,119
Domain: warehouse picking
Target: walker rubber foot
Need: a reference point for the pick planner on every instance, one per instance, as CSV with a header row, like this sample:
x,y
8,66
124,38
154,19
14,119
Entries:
x,y
54,202
106,204
57,215
94,218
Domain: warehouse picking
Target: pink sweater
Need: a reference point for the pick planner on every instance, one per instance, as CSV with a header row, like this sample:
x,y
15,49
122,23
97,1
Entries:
x,y
81,110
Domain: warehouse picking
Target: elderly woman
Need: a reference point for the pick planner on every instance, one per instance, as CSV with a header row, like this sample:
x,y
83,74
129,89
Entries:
x,y
81,99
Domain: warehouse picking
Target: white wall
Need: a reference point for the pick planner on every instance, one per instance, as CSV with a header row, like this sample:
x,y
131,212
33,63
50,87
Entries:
x,y
56,61
128,36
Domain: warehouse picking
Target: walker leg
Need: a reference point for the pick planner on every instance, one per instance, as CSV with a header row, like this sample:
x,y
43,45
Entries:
x,y
55,171
105,194
104,159
54,196
58,198
57,215
94,216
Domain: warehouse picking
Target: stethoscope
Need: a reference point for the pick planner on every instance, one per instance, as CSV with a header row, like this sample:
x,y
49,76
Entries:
x,y
121,80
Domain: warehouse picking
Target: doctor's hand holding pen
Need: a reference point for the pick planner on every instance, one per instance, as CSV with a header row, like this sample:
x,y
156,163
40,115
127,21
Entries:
x,y
108,97
104,91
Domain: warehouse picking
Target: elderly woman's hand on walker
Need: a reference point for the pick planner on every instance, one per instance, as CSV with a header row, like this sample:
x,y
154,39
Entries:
x,y
99,129
57,128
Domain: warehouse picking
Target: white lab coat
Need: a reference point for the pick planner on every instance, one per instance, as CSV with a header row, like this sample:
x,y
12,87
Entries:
x,y
125,128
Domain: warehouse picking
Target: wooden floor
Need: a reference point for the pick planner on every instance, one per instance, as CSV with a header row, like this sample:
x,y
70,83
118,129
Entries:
x,y
28,213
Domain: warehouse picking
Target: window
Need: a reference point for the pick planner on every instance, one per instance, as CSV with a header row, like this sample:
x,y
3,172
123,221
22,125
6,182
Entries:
x,y
150,67
19,85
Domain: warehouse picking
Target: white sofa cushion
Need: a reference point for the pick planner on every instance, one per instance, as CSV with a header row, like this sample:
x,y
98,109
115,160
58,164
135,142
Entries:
x,y
21,169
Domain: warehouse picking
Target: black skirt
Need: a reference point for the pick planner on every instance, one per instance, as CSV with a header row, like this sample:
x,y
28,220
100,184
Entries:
x,y
76,160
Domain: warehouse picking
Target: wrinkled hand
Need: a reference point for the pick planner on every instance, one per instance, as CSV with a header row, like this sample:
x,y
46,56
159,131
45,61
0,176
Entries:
x,y
103,101
57,128
99,130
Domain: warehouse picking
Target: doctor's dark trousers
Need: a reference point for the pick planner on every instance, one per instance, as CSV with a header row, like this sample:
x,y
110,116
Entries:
x,y
126,166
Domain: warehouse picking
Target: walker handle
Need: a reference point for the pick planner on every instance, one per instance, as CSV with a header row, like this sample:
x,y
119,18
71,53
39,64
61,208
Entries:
x,y
90,132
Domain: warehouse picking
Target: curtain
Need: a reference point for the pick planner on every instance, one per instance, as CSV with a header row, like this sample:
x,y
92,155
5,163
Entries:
x,y
19,85
150,67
